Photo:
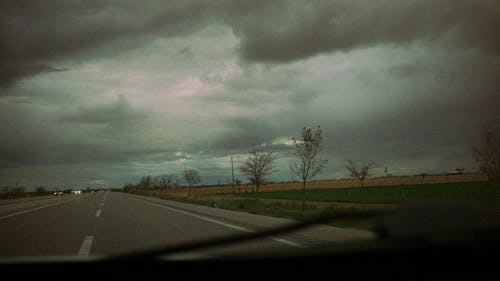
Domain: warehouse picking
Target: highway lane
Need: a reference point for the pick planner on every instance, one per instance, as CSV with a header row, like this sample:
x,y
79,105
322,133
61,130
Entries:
x,y
53,228
13,206
131,223
24,199
105,223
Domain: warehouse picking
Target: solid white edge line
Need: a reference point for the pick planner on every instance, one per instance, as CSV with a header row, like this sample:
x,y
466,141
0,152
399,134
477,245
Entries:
x,y
86,245
202,217
34,209
98,214
280,240
288,242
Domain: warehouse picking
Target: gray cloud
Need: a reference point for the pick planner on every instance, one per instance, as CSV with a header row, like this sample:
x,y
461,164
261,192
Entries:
x,y
54,28
258,86
295,30
104,133
34,34
119,114
464,83
403,83
10,73
242,133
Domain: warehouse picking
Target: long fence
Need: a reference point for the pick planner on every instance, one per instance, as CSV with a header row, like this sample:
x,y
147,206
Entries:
x,y
322,184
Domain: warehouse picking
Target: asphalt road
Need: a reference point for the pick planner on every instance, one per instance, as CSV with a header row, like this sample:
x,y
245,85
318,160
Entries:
x,y
109,223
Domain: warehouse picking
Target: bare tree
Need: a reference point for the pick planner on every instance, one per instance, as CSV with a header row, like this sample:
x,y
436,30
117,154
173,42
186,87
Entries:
x,y
6,189
258,166
460,171
41,190
191,176
157,182
308,163
487,155
360,173
145,181
423,175
171,181
129,186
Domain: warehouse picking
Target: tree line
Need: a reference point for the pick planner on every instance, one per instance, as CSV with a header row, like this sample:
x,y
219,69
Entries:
x,y
18,191
188,178
309,162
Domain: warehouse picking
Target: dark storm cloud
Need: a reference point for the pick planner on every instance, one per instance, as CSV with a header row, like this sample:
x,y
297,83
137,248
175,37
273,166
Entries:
x,y
295,30
43,30
55,148
107,133
465,84
34,33
406,144
398,82
31,138
10,73
38,152
118,114
258,86
243,133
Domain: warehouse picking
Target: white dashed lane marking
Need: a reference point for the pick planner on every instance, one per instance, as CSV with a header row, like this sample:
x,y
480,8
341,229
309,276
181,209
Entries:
x,y
86,245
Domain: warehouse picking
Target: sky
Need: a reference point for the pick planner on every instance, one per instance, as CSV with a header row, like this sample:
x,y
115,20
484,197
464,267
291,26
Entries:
x,y
100,93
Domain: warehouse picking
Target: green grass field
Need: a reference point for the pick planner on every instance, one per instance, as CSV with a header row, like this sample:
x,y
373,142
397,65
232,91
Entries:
x,y
481,192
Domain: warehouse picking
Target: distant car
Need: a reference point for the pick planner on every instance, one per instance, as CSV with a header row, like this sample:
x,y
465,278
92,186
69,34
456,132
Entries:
x,y
76,191
58,193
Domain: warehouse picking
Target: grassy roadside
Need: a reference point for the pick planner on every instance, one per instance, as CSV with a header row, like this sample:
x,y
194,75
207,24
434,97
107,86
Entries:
x,y
290,210
482,192
287,204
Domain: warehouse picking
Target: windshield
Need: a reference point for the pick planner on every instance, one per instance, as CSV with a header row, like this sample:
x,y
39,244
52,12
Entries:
x,y
134,125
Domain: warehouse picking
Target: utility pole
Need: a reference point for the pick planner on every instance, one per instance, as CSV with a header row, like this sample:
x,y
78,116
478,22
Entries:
x,y
232,170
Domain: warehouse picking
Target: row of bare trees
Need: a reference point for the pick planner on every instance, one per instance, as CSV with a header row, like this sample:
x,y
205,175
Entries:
x,y
17,191
307,164
189,177
308,161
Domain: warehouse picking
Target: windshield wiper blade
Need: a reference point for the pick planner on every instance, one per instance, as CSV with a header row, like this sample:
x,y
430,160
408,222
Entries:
x,y
244,237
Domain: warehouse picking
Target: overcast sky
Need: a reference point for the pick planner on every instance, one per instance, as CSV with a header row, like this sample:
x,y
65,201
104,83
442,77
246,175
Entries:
x,y
99,93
